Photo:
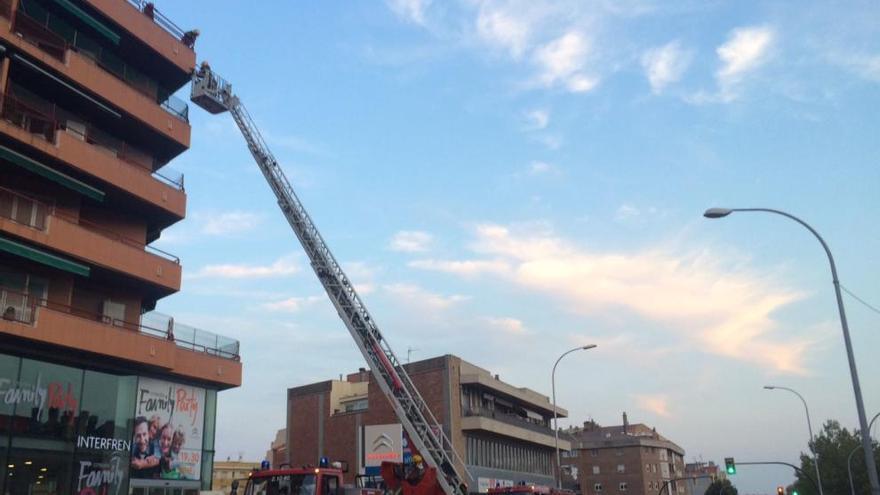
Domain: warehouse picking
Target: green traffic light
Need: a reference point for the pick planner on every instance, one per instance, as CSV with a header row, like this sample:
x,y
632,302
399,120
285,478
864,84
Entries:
x,y
731,470
794,492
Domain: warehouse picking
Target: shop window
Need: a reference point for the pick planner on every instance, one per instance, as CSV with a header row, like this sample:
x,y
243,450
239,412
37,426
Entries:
x,y
38,472
51,408
8,382
107,402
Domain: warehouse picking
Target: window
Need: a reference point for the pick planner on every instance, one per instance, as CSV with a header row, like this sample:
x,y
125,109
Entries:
x,y
619,452
356,405
647,468
597,487
594,453
653,468
595,469
621,468
622,486
663,455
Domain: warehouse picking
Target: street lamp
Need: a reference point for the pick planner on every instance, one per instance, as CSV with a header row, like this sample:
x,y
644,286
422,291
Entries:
x,y
555,414
809,427
852,489
857,389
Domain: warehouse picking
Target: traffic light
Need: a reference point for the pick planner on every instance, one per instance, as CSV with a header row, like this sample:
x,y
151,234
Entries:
x,y
730,465
780,490
794,492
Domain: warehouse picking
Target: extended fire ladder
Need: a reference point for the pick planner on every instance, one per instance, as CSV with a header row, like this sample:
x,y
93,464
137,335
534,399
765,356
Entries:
x,y
215,95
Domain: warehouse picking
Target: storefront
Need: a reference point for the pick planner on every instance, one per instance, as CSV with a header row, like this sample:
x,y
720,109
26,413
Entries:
x,y
67,430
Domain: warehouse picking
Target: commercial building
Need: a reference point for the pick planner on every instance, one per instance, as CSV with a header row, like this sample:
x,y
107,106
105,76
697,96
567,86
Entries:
x,y
502,432
227,471
99,393
630,459
277,453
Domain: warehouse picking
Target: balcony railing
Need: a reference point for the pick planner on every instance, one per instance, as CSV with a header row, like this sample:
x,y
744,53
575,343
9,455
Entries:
x,y
511,419
150,10
22,308
49,118
31,212
56,36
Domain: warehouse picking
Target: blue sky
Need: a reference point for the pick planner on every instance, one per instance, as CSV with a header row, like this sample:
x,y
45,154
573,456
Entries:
x,y
505,180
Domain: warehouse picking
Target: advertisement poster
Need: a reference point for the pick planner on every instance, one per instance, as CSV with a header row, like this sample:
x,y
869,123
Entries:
x,y
168,423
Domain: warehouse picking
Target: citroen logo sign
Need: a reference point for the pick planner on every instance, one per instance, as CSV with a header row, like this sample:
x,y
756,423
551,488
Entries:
x,y
381,441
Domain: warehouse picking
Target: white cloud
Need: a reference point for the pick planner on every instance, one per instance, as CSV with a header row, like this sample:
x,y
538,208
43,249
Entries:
x,y
283,267
507,325
866,66
745,50
541,168
462,268
562,62
627,211
410,10
292,304
502,28
687,294
665,65
231,222
538,119
415,295
410,241
654,403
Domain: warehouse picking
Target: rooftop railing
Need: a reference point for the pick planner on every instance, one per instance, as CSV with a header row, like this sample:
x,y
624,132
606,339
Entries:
x,y
150,10
32,212
49,118
55,36
23,308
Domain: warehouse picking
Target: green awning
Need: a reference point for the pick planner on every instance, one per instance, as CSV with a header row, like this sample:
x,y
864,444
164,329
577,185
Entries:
x,y
50,173
43,257
91,21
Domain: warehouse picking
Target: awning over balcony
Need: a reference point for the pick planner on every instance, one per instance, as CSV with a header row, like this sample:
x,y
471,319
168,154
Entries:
x,y
50,173
89,20
43,257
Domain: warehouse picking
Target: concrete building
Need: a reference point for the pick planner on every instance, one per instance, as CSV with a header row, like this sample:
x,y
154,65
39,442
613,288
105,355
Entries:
x,y
701,475
102,394
631,459
226,471
502,432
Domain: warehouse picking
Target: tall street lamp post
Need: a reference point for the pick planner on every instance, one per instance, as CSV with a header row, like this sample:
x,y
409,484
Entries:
x,y
852,488
809,427
555,415
857,389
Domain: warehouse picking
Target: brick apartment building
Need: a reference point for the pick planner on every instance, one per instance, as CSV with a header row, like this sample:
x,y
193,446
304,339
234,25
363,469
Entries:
x,y
630,459
87,126
502,432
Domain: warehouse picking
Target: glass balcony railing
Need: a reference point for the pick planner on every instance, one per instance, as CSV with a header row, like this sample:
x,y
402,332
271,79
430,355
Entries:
x,y
55,36
23,308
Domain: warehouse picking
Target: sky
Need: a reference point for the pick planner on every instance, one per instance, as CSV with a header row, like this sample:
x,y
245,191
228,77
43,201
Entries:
x,y
505,180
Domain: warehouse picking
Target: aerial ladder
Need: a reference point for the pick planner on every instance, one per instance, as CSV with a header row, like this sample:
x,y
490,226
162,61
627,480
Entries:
x,y
215,95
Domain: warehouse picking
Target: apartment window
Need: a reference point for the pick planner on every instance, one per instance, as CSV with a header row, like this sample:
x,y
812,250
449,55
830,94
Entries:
x,y
653,468
596,470
663,455
647,468
594,452
621,468
621,486
597,487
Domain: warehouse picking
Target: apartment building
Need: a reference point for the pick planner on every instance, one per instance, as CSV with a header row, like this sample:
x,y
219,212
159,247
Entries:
x,y
502,432
626,459
100,393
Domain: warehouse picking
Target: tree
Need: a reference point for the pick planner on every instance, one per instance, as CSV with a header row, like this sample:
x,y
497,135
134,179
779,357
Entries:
x,y
833,445
721,487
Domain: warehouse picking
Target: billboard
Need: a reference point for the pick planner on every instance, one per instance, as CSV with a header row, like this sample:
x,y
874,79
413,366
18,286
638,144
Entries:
x,y
169,421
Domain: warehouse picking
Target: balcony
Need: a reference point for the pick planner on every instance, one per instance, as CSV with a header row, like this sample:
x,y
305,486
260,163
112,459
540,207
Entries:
x,y
94,152
513,427
42,224
103,73
156,341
